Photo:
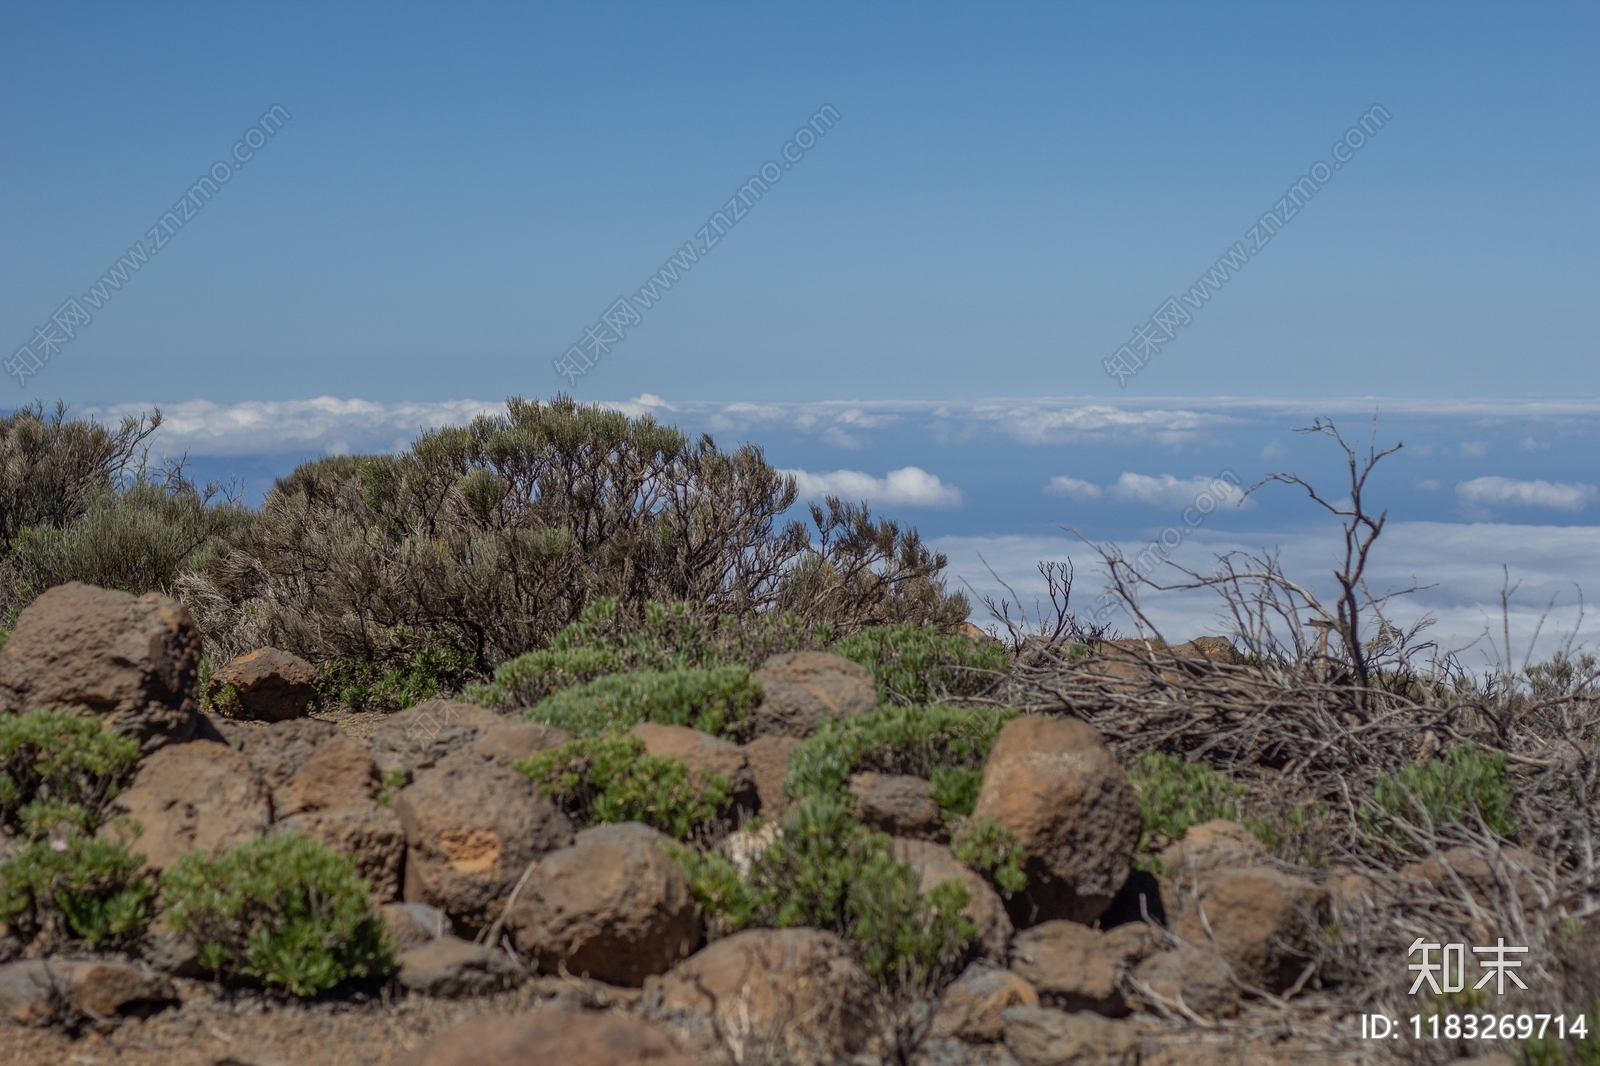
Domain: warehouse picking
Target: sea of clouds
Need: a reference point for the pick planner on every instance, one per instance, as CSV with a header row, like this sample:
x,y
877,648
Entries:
x,y
1485,495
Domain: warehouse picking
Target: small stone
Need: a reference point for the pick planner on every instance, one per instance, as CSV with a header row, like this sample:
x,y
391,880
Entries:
x,y
339,773
472,827
936,864
1187,976
281,750
704,755
510,742
267,684
418,737
802,688
371,835
1059,789
412,925
973,1007
797,994
1262,921
769,764
1213,845
38,991
897,804
613,906
1077,968
448,967
1042,1036
197,796
130,661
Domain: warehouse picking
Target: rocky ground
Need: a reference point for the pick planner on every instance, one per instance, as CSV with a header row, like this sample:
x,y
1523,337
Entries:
x,y
523,939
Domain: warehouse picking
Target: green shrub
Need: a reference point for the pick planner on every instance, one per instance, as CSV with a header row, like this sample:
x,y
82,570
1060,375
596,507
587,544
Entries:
x,y
991,849
284,910
57,773
827,871
1467,781
529,678
900,740
605,640
715,701
95,887
955,789
918,664
613,779
404,681
50,756
1173,795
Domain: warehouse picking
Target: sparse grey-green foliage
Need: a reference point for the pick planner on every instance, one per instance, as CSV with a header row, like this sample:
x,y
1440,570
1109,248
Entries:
x,y
716,701
827,871
923,741
1173,795
489,538
1467,784
919,664
51,466
283,910
137,538
613,779
1565,674
866,573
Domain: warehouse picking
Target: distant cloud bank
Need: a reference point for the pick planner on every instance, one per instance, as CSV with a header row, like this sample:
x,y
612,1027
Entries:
x,y
1508,492
1163,491
324,424
203,427
907,487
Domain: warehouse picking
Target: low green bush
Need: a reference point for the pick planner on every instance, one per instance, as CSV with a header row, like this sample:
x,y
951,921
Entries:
x,y
57,773
955,789
284,910
50,756
613,779
403,681
604,640
951,742
715,701
827,871
992,850
1173,795
1467,782
93,886
918,664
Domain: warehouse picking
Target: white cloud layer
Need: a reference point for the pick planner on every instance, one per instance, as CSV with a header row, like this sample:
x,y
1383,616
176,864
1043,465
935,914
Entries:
x,y
1074,489
1508,492
1461,561
909,486
326,423
1163,491
1169,491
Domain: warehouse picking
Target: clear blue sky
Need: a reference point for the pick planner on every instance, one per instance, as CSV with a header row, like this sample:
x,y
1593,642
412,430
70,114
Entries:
x,y
463,188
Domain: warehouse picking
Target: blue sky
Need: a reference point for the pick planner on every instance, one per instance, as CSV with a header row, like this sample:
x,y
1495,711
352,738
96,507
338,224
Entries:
x,y
1007,193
